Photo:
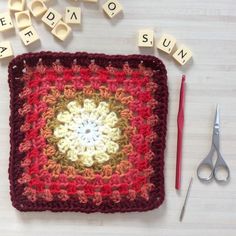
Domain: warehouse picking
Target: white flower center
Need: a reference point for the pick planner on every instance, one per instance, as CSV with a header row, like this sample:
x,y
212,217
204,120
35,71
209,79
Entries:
x,y
89,133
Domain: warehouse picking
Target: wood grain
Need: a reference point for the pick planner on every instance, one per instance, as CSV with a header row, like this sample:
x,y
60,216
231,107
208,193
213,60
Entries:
x,y
209,29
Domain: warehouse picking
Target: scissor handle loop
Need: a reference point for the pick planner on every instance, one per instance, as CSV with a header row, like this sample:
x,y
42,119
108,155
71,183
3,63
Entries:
x,y
221,165
206,163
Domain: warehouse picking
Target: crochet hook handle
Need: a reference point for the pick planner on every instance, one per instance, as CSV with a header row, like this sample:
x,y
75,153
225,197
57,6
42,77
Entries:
x,y
180,123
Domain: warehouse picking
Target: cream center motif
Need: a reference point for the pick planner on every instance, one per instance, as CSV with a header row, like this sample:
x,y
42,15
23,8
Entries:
x,y
87,132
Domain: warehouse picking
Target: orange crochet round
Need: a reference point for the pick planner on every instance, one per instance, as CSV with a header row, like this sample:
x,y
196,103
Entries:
x,y
87,132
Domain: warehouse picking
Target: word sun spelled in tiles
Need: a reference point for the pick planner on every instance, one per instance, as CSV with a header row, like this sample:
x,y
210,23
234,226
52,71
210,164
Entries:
x,y
166,44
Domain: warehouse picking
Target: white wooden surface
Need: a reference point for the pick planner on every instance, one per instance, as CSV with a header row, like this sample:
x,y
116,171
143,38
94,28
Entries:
x,y
209,29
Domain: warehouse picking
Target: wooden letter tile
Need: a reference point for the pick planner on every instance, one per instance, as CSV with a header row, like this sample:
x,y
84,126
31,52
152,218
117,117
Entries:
x,y
72,15
23,19
37,7
61,30
166,43
112,8
5,49
182,55
5,21
51,17
93,1
16,5
145,38
29,35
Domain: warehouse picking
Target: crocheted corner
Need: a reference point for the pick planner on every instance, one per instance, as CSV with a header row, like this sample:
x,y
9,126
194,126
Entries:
x,y
87,132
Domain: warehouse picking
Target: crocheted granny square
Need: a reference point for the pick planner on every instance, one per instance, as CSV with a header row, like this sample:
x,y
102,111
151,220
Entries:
x,y
87,132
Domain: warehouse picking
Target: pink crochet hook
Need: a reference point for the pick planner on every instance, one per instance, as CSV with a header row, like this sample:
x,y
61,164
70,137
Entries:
x,y
180,123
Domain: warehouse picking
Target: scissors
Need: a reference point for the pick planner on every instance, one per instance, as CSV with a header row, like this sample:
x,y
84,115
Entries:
x,y
214,170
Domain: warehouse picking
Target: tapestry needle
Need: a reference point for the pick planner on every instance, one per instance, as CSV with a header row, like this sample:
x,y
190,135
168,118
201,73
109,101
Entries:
x,y
185,200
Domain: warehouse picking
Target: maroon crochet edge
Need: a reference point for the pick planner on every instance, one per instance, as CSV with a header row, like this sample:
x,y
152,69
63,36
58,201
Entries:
x,y
15,84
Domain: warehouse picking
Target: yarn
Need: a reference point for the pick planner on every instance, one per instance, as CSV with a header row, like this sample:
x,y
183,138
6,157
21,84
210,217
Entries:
x,y
87,132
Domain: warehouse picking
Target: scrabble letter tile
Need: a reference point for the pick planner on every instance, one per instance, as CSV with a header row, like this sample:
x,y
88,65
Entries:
x,y
5,49
182,55
61,30
112,8
166,43
5,21
37,7
23,19
145,38
93,1
29,35
73,15
16,5
51,17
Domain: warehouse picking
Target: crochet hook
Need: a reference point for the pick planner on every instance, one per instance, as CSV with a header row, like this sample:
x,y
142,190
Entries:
x,y
180,123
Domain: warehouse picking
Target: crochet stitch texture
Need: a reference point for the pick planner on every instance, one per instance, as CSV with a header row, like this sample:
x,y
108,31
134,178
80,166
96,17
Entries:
x,y
87,132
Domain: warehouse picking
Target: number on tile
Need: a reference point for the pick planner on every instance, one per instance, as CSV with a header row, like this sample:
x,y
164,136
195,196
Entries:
x,y
5,49
112,8
166,43
182,55
145,38
5,21
72,15
51,17
29,35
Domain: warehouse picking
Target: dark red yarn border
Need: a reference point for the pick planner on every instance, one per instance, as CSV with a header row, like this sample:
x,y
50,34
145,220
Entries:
x,y
16,85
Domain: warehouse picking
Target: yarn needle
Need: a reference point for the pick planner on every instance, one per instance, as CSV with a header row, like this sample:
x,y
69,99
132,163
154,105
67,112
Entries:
x,y
185,200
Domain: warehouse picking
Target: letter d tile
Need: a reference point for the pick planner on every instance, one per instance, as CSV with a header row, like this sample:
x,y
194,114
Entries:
x,y
51,17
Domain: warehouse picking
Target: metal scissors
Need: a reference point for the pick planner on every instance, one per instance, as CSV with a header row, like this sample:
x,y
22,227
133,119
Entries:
x,y
220,167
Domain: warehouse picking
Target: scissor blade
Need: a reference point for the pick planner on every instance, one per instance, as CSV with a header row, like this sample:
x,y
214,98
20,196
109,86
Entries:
x,y
217,118
216,128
